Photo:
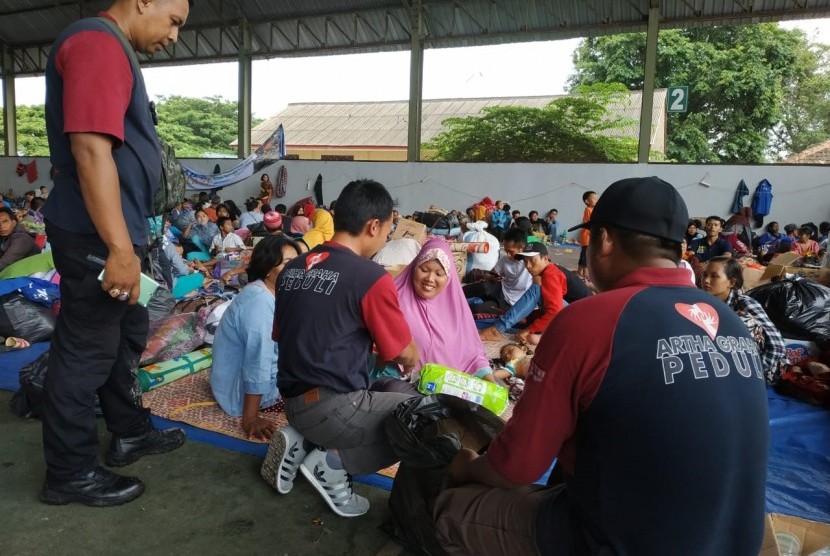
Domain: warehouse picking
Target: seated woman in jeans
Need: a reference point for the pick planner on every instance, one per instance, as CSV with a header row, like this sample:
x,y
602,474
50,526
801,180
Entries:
x,y
244,375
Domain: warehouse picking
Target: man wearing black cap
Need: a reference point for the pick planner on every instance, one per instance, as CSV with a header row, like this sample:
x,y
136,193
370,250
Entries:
x,y
550,294
554,284
635,392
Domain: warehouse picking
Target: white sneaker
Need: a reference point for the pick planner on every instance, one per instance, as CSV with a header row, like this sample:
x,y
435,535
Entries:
x,y
335,485
285,454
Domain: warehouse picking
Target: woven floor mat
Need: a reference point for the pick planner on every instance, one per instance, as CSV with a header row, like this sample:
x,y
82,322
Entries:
x,y
491,349
191,401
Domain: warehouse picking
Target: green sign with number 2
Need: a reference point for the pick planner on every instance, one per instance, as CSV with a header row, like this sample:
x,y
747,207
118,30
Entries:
x,y
678,101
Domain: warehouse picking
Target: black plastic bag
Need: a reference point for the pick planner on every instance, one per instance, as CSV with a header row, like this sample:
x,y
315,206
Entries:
x,y
25,319
799,308
426,433
28,400
160,305
433,221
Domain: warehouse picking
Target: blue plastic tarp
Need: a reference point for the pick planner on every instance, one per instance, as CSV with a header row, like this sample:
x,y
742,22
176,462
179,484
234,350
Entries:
x,y
798,476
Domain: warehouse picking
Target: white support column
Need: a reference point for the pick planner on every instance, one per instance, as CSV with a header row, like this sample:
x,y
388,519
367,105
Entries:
x,y
9,106
244,106
416,86
647,106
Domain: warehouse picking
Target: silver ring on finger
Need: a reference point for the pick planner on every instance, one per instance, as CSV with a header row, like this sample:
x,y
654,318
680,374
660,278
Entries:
x,y
124,296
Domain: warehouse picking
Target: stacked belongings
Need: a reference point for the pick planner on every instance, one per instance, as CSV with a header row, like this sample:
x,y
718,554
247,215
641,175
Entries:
x,y
800,309
439,222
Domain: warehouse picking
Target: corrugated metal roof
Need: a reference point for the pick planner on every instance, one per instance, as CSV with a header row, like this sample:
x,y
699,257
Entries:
x,y
384,124
309,27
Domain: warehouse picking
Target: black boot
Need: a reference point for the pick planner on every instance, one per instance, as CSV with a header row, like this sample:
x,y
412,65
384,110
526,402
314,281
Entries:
x,y
124,451
100,487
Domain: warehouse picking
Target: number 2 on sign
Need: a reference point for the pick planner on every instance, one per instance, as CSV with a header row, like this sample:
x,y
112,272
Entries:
x,y
678,99
678,96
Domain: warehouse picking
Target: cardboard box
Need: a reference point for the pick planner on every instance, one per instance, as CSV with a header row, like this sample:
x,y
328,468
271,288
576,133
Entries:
x,y
410,229
782,265
812,535
820,275
769,547
753,278
778,266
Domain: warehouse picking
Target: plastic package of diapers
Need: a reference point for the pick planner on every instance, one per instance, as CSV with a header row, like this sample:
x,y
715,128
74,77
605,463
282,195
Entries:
x,y
438,379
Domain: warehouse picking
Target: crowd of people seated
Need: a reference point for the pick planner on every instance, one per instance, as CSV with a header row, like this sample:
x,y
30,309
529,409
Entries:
x,y
205,230
713,240
320,327
516,285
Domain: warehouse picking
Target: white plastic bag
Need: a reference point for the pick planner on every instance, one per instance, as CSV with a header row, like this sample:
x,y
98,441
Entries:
x,y
481,261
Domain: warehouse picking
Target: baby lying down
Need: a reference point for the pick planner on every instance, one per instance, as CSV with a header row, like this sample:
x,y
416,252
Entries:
x,y
515,360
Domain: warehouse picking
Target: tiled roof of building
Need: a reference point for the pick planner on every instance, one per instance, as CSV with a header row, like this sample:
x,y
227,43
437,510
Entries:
x,y
384,124
817,154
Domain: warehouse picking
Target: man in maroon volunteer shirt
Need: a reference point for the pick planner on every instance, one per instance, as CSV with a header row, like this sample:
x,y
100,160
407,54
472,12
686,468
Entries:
x,y
333,304
650,395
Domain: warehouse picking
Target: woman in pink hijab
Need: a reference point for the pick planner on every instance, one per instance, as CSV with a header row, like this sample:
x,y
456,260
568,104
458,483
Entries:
x,y
437,312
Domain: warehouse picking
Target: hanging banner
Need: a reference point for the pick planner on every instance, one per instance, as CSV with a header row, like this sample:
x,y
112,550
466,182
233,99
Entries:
x,y
272,150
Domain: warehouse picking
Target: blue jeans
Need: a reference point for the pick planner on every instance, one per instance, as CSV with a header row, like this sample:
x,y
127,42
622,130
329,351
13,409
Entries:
x,y
521,309
454,232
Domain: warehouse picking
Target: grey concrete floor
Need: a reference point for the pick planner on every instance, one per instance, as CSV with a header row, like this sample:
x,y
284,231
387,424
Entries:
x,y
199,500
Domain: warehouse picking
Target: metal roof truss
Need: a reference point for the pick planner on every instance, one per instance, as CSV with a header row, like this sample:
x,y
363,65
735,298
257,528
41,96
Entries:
x,y
319,27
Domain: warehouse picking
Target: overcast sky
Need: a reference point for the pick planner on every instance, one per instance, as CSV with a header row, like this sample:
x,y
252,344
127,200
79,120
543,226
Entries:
x,y
521,69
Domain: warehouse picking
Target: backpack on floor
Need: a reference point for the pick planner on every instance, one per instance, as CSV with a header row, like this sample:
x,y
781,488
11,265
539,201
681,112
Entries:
x,y
172,187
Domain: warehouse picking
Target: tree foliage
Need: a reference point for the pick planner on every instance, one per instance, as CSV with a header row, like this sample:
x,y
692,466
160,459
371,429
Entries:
x,y
739,77
31,131
194,126
805,117
577,128
198,126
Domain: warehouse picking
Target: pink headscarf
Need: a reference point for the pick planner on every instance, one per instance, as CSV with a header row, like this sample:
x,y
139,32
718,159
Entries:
x,y
300,225
443,327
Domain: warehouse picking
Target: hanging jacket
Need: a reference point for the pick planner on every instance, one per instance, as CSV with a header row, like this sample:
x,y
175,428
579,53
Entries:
x,y
761,202
762,199
740,193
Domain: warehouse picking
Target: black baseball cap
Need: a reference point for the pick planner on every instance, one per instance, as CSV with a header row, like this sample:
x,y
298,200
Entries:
x,y
648,206
533,249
